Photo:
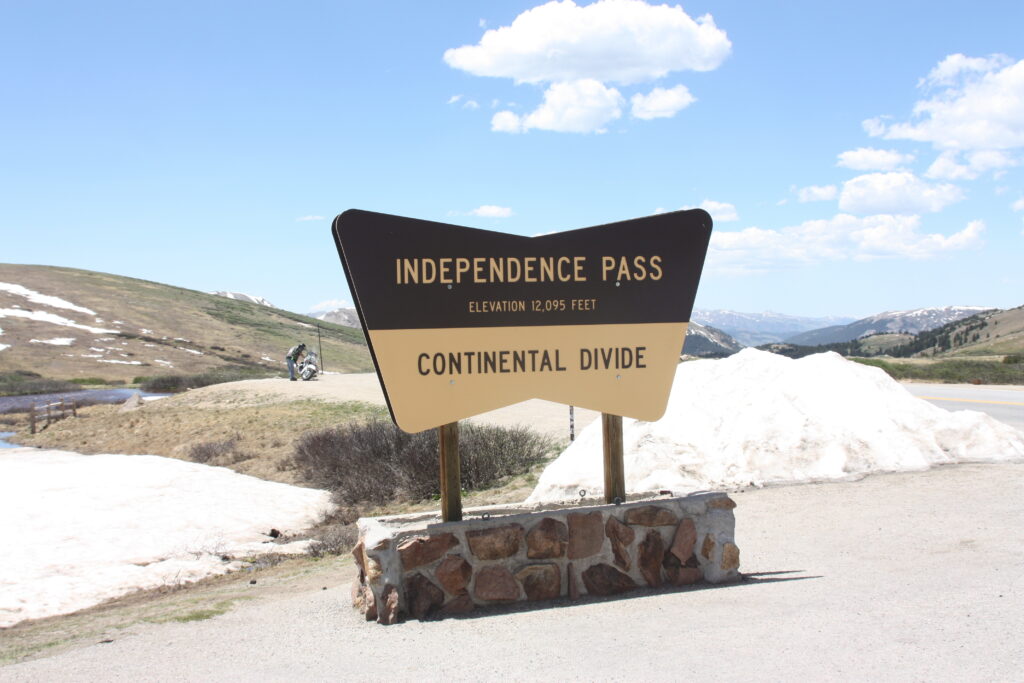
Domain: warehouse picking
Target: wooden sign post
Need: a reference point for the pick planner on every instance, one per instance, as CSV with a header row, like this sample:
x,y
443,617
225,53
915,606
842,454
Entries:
x,y
451,486
614,471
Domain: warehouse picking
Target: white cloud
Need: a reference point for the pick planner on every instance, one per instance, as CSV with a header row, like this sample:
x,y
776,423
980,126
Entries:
x,y
583,106
491,211
901,192
579,50
309,218
842,237
506,122
871,159
330,305
721,212
816,193
947,165
453,99
978,104
470,104
618,41
661,103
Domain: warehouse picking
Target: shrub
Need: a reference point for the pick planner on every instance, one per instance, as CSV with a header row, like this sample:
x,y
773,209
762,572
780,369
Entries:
x,y
1013,359
376,463
219,452
86,381
173,384
24,382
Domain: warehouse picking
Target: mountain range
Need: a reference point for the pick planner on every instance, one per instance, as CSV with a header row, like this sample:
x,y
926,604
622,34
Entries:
x,y
754,329
890,322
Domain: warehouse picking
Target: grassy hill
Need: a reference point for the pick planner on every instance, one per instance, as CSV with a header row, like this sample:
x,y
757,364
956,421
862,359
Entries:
x,y
141,328
993,333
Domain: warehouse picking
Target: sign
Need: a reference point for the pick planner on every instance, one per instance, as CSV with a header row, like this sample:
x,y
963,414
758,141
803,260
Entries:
x,y
462,321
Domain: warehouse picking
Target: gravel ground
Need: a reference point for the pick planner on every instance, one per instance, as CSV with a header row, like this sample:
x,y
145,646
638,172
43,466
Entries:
x,y
914,576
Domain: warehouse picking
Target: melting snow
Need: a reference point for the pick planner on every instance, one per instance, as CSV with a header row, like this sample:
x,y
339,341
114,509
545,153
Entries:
x,y
164,362
122,362
4,346
79,530
182,348
42,316
143,330
43,299
57,341
758,418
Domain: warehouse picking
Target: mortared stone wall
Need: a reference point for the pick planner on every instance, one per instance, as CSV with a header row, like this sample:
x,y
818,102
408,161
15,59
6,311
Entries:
x,y
423,568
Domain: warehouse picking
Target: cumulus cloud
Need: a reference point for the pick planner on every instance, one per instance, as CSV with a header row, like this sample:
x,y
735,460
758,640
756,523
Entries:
x,y
900,192
871,159
661,103
454,98
816,193
309,218
622,42
584,106
976,103
491,211
842,237
330,305
951,165
617,41
1018,205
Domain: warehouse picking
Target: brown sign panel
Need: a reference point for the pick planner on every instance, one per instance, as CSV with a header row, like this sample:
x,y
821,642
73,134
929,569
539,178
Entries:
x,y
462,321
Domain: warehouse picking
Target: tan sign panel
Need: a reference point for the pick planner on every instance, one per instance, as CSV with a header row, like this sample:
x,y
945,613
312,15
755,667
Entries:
x,y
462,321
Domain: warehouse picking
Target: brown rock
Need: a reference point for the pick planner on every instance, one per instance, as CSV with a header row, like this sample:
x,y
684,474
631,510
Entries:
x,y
357,595
421,550
723,503
586,534
547,539
679,574
460,604
373,569
651,515
604,579
685,540
421,596
387,613
620,536
730,556
574,583
357,554
540,581
371,604
495,584
496,543
707,547
453,574
651,554
382,545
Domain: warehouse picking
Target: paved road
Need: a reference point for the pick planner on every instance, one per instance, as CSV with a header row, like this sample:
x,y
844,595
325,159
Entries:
x,y
916,576
1003,403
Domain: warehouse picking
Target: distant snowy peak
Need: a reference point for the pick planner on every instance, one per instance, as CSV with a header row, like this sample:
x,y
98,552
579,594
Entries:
x,y
912,321
754,329
341,316
245,297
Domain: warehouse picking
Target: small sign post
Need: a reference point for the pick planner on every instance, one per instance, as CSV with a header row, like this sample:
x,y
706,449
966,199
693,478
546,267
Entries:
x,y
462,321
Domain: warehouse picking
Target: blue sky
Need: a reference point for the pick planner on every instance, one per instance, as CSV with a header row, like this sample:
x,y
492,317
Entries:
x,y
857,157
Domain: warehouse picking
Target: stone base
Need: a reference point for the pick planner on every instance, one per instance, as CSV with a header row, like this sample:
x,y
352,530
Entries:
x,y
416,566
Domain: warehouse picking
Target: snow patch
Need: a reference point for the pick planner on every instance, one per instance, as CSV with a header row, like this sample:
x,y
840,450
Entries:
x,y
192,351
757,418
80,530
56,341
53,318
122,362
42,299
4,346
165,363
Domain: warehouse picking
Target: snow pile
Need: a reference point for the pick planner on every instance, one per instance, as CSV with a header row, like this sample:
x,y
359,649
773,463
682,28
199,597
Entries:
x,y
80,529
757,417
43,299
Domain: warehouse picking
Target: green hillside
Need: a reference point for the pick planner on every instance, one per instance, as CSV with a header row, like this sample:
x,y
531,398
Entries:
x,y
141,328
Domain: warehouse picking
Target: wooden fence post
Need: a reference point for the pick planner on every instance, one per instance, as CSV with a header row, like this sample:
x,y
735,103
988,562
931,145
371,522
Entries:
x,y
32,418
451,492
614,472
